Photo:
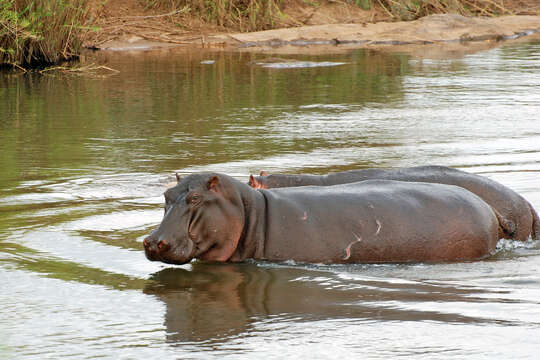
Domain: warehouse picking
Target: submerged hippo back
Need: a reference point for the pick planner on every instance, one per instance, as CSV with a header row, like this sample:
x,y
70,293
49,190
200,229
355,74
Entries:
x,y
378,221
507,202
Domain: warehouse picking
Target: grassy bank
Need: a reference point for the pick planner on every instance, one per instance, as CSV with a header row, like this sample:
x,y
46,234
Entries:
x,y
34,32
244,15
253,15
414,9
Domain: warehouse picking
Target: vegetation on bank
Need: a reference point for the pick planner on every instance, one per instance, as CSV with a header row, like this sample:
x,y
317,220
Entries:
x,y
36,32
414,9
245,15
253,15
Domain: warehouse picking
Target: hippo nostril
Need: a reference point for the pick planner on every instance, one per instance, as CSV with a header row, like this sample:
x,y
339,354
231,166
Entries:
x,y
146,243
162,245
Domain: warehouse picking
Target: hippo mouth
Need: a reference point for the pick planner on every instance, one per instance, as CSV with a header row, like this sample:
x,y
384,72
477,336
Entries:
x,y
177,256
183,254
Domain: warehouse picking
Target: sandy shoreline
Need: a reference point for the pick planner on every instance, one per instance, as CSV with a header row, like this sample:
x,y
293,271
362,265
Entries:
x,y
441,30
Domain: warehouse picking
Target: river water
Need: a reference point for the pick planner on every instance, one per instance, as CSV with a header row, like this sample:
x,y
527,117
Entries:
x,y
85,160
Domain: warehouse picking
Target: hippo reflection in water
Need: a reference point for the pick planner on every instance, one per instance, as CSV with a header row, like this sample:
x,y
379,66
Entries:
x,y
506,201
211,216
217,302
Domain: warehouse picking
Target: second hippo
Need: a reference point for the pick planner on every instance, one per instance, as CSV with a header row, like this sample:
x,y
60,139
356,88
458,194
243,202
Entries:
x,y
506,201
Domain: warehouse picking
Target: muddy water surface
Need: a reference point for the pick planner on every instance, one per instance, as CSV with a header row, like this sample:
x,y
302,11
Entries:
x,y
85,161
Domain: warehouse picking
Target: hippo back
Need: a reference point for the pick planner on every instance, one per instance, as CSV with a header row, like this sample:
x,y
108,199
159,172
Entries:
x,y
378,221
506,201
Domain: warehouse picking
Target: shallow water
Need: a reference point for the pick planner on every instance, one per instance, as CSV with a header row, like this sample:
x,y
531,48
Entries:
x,y
86,159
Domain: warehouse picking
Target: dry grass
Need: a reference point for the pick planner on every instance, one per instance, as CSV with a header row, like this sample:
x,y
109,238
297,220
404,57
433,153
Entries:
x,y
92,69
254,15
414,9
244,15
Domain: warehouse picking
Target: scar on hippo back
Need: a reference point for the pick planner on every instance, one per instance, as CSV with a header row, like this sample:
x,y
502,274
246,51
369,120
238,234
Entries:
x,y
379,226
348,248
359,239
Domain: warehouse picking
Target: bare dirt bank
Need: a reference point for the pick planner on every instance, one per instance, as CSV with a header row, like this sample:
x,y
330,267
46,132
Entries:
x,y
449,31
329,26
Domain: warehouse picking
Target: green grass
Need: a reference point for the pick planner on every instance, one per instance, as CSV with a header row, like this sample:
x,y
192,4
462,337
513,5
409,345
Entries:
x,y
35,32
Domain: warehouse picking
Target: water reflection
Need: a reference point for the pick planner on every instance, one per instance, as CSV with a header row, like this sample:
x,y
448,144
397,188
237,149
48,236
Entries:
x,y
85,162
217,302
170,108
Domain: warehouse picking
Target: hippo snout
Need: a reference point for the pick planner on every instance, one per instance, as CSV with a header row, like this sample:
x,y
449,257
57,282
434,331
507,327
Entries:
x,y
155,247
168,250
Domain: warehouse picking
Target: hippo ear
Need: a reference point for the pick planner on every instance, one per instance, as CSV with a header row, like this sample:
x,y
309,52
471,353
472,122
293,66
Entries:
x,y
178,177
213,183
264,173
253,182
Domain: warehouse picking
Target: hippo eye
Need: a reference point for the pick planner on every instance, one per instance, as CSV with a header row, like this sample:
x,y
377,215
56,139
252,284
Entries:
x,y
195,198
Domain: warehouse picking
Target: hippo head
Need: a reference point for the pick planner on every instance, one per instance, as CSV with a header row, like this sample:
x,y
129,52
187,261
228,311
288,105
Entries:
x,y
204,219
258,182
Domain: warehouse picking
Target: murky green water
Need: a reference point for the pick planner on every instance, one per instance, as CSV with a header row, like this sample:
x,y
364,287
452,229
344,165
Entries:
x,y
86,159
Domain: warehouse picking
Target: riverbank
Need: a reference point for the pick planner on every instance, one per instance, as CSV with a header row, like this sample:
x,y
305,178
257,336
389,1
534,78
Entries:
x,y
30,36
124,25
434,36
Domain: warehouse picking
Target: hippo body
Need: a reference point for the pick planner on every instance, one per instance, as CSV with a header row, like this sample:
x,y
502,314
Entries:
x,y
214,217
506,201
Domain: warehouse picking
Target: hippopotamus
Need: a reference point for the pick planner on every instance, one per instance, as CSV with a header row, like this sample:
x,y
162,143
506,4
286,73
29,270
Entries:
x,y
506,201
214,217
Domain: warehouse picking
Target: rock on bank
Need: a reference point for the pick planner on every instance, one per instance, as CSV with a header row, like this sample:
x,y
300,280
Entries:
x,y
427,30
